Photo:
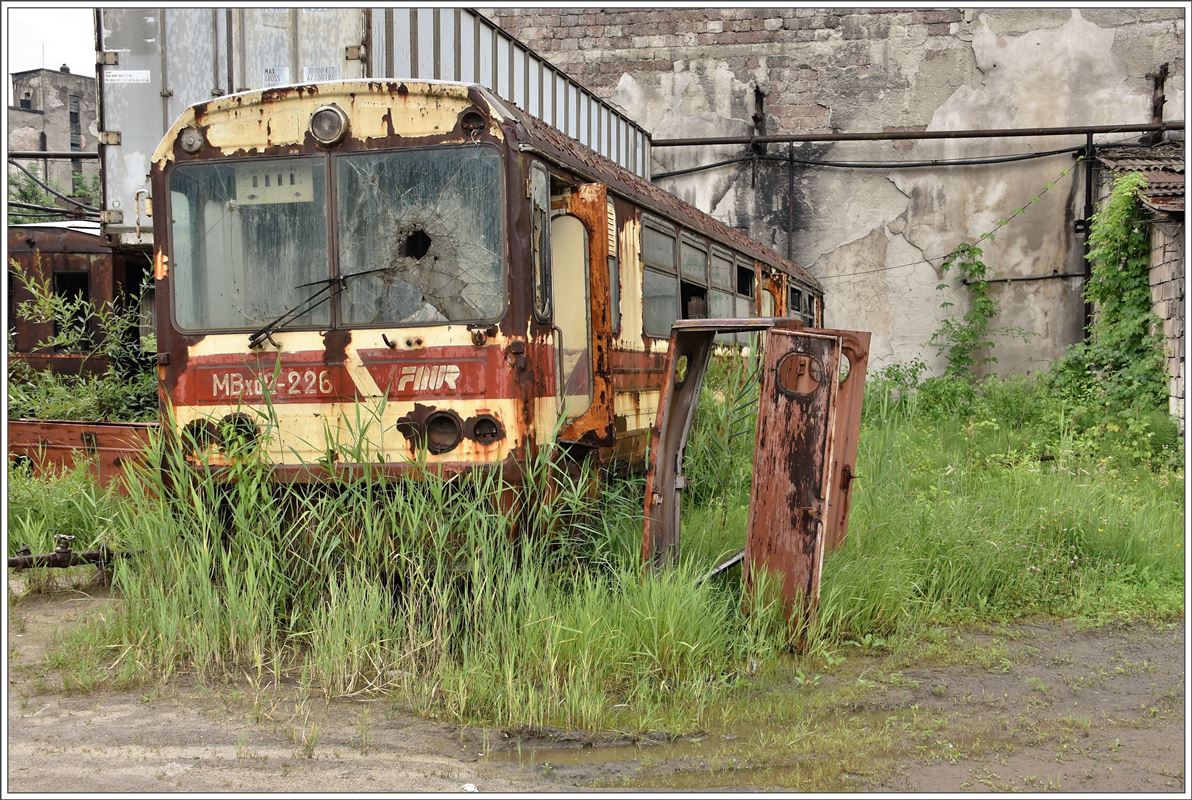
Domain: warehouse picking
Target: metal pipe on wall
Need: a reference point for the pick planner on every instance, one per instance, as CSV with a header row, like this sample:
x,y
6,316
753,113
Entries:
x,y
990,133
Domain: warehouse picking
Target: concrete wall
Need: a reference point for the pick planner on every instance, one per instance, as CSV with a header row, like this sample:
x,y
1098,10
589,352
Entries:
x,y
48,92
1167,297
867,233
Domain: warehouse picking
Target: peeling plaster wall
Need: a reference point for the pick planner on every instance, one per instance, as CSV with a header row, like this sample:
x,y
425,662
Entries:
x,y
865,233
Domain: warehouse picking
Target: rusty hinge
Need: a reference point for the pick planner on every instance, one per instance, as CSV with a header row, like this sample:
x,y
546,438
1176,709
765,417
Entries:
x,y
167,93
107,58
111,216
355,52
109,137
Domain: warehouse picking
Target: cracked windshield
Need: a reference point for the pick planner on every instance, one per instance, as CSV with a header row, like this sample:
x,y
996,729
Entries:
x,y
246,236
430,221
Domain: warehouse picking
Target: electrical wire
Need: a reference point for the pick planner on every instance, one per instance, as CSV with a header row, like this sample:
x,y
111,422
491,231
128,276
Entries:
x,y
934,162
51,209
983,236
51,189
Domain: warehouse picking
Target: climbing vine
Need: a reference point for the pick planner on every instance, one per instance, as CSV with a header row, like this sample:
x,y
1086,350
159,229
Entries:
x,y
959,340
1123,356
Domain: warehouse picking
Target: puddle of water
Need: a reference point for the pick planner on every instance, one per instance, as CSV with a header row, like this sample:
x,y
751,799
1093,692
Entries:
x,y
589,754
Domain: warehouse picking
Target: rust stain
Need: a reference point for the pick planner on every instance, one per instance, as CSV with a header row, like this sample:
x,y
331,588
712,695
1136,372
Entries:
x,y
161,264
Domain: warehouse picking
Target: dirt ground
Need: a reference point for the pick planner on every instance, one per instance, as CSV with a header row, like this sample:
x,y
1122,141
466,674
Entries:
x,y
1044,707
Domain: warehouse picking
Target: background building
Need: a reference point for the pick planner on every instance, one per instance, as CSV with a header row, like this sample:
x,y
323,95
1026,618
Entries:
x,y
55,110
875,237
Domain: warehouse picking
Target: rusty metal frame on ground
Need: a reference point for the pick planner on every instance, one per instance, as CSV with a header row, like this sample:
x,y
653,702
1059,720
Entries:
x,y
55,445
805,449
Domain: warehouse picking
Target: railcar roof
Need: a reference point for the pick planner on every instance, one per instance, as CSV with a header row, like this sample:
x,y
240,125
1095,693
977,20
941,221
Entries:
x,y
646,194
536,133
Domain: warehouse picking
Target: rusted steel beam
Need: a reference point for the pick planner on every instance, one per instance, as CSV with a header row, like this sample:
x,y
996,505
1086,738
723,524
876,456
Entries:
x,y
54,445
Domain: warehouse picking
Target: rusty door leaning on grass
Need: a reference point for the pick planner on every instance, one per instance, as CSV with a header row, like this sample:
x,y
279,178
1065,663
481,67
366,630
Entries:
x,y
789,498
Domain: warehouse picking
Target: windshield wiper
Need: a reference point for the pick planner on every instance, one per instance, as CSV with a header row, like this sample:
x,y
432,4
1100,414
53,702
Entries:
x,y
308,305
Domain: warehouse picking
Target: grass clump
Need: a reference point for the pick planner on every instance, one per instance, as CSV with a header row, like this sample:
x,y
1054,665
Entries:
x,y
65,502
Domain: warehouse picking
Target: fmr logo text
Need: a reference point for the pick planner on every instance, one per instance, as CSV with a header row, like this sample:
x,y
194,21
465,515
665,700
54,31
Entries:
x,y
427,377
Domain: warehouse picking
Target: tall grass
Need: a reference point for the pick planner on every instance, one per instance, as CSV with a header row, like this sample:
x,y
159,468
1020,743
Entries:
x,y
425,589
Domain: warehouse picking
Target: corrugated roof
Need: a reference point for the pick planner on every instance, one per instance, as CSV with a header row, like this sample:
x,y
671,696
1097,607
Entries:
x,y
1163,167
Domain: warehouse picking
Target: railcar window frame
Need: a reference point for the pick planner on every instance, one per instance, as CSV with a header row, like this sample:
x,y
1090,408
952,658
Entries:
x,y
614,268
725,255
744,264
656,333
171,243
541,279
688,242
660,227
328,162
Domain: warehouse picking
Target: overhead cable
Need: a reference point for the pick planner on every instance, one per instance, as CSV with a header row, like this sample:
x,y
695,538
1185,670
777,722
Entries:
x,y
51,189
933,162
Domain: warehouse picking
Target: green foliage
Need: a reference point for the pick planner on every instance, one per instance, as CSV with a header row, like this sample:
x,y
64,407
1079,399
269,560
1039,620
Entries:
x,y
127,388
960,341
24,189
63,503
85,188
1120,366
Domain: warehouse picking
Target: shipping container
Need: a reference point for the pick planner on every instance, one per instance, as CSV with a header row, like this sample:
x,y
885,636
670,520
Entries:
x,y
154,62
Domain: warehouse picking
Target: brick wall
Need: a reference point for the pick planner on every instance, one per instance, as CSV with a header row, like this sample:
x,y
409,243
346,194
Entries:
x,y
1167,297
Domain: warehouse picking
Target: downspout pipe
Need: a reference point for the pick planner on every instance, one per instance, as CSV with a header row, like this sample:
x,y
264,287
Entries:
x,y
1090,172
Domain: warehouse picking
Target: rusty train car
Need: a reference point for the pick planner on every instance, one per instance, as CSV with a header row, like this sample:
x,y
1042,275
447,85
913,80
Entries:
x,y
421,272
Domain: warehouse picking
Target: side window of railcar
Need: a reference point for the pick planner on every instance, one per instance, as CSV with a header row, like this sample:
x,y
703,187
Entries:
x,y
540,240
660,282
720,293
614,273
745,287
794,307
693,289
767,303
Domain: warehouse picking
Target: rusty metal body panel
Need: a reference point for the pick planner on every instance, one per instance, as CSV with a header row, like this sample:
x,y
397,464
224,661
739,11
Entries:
x,y
805,450
54,445
854,347
789,497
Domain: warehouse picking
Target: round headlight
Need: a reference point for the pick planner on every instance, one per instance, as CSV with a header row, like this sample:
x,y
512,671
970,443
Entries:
x,y
443,432
191,139
328,124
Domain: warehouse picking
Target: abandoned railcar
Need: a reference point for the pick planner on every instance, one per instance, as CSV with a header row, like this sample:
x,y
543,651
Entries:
x,y
426,272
